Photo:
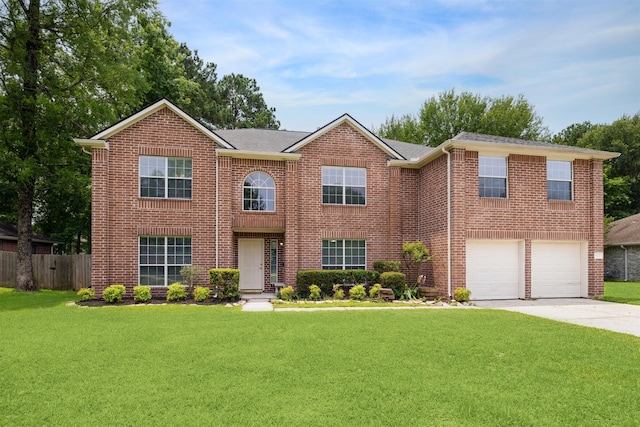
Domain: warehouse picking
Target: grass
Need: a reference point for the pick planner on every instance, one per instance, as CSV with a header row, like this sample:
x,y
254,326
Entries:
x,y
211,365
626,292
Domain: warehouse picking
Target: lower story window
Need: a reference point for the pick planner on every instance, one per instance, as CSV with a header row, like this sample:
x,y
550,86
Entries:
x,y
161,259
344,254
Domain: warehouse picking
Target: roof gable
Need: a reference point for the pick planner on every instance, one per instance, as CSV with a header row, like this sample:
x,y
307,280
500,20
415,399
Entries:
x,y
346,118
150,110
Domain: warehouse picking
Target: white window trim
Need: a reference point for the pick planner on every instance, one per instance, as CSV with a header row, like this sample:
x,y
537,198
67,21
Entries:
x,y
166,178
344,185
263,188
505,177
166,254
571,198
360,267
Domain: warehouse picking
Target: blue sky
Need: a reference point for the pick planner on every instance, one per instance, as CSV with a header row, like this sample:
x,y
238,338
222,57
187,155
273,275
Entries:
x,y
315,60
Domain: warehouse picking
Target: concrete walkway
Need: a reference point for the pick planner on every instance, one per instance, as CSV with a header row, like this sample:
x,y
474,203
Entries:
x,y
257,302
624,318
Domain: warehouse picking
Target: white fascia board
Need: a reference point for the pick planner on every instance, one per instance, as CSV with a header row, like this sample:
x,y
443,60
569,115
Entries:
x,y
246,154
90,144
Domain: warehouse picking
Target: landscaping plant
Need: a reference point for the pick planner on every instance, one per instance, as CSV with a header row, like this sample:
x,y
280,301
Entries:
x,y
86,294
373,292
461,294
357,293
338,293
141,293
177,292
287,293
201,293
314,292
114,293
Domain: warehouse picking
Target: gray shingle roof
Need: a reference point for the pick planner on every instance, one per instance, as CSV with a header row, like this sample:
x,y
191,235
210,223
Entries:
x,y
470,136
625,231
10,232
275,141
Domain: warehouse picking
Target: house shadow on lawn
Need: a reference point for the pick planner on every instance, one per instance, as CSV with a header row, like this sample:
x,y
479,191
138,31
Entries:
x,y
11,299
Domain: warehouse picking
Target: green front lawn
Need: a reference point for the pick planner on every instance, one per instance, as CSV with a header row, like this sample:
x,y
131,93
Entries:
x,y
211,365
626,292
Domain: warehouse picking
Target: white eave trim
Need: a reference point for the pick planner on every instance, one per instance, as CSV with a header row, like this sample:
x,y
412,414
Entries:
x,y
246,154
89,144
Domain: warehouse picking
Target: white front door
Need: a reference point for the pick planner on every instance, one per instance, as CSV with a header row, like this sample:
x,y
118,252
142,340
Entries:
x,y
251,264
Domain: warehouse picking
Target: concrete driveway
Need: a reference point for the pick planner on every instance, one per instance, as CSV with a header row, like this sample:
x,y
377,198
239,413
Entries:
x,y
624,318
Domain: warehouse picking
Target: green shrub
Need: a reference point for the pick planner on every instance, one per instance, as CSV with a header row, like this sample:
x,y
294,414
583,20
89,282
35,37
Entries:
x,y
86,294
287,293
201,293
461,294
141,293
358,293
395,281
382,266
314,292
373,292
325,279
176,292
113,293
226,282
338,293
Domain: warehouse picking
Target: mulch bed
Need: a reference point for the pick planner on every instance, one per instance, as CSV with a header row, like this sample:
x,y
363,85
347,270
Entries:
x,y
152,301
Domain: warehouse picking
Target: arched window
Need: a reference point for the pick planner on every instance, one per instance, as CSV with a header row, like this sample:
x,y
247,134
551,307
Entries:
x,y
259,193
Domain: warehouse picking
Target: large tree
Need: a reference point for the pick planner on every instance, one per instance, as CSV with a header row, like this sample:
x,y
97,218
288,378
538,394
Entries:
x,y
621,175
448,114
66,68
242,105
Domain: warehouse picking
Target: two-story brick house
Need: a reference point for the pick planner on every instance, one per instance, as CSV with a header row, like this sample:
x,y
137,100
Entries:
x,y
506,218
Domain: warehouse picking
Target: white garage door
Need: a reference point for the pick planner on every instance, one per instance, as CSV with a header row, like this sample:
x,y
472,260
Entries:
x,y
493,269
557,269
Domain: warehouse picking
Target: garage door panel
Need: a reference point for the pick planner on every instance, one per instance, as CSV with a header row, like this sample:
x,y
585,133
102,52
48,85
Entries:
x,y
493,270
556,269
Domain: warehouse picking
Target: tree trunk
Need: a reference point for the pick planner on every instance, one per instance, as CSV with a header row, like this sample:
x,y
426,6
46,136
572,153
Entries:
x,y
28,117
24,276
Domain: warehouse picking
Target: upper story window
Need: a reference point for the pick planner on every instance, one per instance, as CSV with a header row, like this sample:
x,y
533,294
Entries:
x,y
559,180
344,186
492,176
259,193
165,177
345,254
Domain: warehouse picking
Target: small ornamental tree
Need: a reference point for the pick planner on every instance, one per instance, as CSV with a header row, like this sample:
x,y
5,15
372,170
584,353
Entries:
x,y
414,255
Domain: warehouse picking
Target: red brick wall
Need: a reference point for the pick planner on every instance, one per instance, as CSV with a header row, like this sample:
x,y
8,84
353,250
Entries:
x,y
119,216
402,204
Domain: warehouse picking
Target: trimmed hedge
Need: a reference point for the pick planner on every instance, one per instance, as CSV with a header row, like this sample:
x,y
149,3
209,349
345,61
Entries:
x,y
226,282
382,266
325,279
395,281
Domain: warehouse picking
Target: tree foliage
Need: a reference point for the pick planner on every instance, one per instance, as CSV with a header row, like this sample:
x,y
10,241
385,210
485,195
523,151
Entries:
x,y
69,68
65,68
448,114
622,174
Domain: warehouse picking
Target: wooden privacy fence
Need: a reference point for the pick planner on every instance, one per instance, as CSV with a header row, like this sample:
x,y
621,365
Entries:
x,y
57,272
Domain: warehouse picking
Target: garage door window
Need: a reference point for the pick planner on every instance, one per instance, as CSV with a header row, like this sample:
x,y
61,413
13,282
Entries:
x,y
492,176
559,180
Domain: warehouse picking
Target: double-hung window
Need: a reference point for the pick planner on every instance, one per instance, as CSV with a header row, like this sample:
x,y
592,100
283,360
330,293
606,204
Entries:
x,y
344,254
162,257
344,186
165,177
559,180
259,193
492,176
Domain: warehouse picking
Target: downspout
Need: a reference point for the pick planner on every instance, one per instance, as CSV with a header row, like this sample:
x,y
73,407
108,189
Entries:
x,y
217,210
448,220
626,260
